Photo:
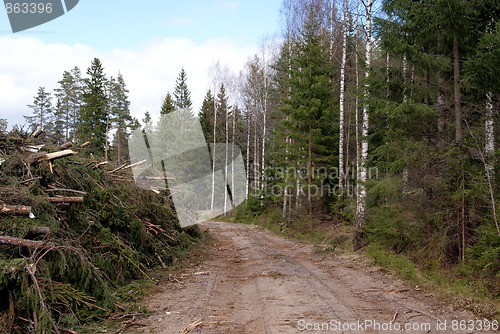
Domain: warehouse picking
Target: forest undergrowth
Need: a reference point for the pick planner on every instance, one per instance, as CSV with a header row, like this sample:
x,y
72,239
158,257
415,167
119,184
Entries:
x,y
460,284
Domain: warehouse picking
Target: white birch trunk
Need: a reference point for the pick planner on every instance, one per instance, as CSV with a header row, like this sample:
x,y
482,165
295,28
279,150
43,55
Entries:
x,y
232,158
342,102
285,191
247,189
213,152
405,70
489,151
388,74
405,99
356,106
264,125
227,159
412,81
489,133
361,203
256,177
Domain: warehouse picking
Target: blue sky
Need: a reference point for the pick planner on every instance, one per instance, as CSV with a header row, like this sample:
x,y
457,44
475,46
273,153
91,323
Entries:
x,y
128,24
147,41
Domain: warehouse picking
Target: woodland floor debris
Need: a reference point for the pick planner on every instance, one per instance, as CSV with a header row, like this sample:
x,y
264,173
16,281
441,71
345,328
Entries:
x,y
72,233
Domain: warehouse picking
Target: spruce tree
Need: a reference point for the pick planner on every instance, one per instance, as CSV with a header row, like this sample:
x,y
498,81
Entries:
x,y
310,104
94,108
182,95
168,105
206,117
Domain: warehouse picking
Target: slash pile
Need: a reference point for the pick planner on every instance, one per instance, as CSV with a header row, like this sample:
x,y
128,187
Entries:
x,y
72,231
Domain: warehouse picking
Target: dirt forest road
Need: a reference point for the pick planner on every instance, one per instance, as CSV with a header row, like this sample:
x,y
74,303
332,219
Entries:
x,y
258,282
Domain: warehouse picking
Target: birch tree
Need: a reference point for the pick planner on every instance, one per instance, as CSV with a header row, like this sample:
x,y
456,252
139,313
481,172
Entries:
x,y
342,98
361,201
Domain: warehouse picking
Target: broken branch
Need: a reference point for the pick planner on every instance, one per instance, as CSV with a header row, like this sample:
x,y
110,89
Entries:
x,y
129,166
13,241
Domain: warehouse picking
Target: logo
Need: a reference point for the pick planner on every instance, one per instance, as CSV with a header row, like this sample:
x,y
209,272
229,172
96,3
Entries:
x,y
204,181
26,14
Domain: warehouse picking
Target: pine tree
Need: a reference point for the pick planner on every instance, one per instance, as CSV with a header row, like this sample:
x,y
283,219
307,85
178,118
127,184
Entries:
x,y
69,95
120,116
94,109
42,111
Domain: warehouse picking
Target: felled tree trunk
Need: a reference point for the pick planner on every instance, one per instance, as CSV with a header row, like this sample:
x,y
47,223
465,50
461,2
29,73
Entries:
x,y
65,199
15,209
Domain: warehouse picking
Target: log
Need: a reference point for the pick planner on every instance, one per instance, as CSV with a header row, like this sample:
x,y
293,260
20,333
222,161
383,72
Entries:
x,y
65,199
37,132
87,143
69,190
129,166
33,148
13,241
66,145
37,230
15,209
44,156
34,157
157,177
56,155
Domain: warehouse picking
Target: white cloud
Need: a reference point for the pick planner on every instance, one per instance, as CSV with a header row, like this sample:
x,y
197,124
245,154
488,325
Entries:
x,y
149,72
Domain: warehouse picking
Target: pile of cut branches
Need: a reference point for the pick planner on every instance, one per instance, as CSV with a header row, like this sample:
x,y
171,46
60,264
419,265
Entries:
x,y
72,233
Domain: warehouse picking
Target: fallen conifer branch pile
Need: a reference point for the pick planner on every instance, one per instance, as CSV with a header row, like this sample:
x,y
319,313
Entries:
x,y
72,232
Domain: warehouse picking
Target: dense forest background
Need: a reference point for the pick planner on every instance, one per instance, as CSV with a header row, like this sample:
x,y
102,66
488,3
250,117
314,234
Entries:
x,y
376,115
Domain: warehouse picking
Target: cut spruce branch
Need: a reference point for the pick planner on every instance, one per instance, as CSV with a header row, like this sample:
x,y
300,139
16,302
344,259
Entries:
x,y
15,209
65,199
13,241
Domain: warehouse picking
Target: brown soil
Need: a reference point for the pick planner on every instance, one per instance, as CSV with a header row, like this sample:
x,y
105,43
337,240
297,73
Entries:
x,y
257,282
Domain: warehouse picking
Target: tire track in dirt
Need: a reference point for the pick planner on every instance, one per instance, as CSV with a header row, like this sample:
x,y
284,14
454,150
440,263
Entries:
x,y
258,282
